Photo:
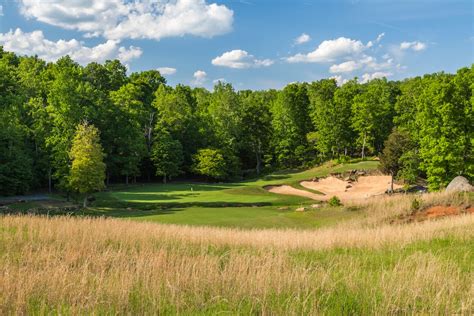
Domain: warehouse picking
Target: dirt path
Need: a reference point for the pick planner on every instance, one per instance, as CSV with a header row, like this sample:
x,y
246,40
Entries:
x,y
289,190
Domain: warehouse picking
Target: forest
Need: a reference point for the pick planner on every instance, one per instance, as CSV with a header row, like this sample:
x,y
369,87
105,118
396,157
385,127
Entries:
x,y
146,130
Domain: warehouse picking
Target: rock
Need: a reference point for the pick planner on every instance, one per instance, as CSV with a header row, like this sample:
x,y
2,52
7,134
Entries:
x,y
283,208
129,208
315,205
361,173
300,209
459,184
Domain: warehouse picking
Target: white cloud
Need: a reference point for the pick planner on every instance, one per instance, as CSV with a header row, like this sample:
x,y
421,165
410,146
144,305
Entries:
x,y
416,46
370,76
119,19
379,37
347,66
35,43
369,63
216,81
240,59
200,78
1,10
339,80
167,70
330,50
303,38
131,53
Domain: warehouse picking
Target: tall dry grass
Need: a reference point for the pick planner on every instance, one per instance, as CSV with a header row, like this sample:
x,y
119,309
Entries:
x,y
105,266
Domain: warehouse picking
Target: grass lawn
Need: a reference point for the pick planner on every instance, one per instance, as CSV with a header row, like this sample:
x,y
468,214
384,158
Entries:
x,y
244,204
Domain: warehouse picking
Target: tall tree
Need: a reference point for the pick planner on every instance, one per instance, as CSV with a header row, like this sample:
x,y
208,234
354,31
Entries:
x,y
87,169
167,155
373,114
256,126
129,143
291,124
396,146
445,119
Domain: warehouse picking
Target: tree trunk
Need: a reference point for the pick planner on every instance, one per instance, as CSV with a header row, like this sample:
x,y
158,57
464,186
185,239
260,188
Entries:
x,y
258,157
391,182
164,178
49,181
108,179
85,202
126,179
363,146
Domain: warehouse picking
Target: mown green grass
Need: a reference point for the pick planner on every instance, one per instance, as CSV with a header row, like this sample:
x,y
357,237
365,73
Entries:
x,y
243,204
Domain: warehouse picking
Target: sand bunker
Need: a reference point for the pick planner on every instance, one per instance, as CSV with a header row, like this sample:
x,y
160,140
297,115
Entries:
x,y
289,190
365,187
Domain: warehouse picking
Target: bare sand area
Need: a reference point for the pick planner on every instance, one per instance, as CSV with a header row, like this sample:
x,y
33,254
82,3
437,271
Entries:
x,y
364,187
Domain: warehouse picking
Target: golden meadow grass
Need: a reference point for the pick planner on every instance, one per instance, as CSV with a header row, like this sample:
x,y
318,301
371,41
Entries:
x,y
105,266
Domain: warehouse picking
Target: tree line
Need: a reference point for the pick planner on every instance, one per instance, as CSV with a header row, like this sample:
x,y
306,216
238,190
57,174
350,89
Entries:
x,y
148,129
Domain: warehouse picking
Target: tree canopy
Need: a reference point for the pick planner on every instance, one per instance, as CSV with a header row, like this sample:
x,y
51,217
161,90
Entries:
x,y
149,129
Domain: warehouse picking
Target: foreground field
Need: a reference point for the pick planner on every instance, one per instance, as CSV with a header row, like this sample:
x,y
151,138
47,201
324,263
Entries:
x,y
367,265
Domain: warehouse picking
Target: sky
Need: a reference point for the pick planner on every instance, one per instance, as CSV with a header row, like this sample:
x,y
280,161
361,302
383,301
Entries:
x,y
253,44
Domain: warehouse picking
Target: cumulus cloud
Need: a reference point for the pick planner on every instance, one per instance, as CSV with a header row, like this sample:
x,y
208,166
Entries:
x,y
339,80
240,59
368,63
167,70
347,66
200,77
119,19
35,43
416,46
370,76
303,38
330,50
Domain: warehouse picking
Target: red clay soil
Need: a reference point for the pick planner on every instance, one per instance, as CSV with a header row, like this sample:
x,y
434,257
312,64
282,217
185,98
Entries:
x,y
435,212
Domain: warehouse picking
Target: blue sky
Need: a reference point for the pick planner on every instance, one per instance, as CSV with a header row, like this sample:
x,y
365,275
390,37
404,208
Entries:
x,y
254,44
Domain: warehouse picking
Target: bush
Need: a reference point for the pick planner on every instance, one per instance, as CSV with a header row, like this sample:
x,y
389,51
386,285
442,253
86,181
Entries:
x,y
334,201
415,205
343,159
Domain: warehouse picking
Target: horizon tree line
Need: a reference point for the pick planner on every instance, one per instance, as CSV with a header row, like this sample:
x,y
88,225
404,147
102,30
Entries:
x,y
149,130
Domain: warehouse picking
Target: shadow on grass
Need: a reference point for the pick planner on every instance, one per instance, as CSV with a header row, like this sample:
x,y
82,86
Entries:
x,y
126,209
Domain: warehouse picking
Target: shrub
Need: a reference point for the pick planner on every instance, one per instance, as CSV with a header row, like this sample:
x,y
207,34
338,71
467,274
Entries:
x,y
334,201
415,205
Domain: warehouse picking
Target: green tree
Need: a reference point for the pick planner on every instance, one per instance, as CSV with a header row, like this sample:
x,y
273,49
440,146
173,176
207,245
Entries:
x,y
176,113
210,163
324,116
256,126
128,141
167,155
373,114
291,124
15,161
396,146
444,116
87,168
